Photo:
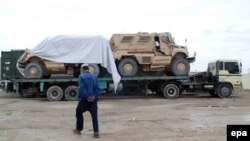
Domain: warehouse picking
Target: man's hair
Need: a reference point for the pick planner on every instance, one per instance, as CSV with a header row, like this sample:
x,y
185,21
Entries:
x,y
85,68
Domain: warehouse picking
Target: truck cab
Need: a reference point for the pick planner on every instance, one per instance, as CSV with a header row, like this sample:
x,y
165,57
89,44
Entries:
x,y
227,76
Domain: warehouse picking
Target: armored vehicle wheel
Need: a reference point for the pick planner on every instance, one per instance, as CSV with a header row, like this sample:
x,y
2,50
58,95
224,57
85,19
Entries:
x,y
171,91
54,93
71,93
224,90
94,68
127,67
180,66
33,70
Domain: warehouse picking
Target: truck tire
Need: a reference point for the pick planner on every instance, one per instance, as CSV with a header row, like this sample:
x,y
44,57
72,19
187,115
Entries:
x,y
171,91
180,67
224,90
94,69
54,93
127,67
33,70
71,93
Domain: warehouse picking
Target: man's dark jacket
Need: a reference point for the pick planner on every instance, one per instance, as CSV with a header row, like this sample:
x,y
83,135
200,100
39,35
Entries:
x,y
88,86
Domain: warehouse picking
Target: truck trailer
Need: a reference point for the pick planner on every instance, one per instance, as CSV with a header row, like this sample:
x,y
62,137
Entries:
x,y
222,79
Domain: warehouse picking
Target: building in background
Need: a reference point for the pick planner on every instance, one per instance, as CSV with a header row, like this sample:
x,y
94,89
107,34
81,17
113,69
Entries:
x,y
246,81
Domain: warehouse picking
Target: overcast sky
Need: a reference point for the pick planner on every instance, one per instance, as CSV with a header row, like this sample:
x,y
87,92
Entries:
x,y
213,28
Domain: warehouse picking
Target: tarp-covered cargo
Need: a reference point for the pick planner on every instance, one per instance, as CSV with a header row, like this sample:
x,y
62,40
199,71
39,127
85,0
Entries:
x,y
76,49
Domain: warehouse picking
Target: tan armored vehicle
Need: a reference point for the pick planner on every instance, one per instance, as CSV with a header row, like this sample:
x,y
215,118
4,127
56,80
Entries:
x,y
36,67
144,52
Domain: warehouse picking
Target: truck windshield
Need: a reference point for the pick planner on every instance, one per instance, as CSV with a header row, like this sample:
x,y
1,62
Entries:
x,y
232,67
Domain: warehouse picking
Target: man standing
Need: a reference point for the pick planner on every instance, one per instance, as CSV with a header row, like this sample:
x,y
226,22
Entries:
x,y
88,92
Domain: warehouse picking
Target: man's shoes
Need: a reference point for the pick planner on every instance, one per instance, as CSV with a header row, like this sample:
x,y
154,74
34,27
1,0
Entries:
x,y
96,135
77,132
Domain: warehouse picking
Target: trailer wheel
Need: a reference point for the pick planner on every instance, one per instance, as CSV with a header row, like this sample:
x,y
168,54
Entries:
x,y
54,93
171,91
180,66
127,67
94,69
71,93
33,70
224,90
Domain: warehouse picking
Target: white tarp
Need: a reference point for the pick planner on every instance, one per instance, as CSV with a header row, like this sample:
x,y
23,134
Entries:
x,y
78,49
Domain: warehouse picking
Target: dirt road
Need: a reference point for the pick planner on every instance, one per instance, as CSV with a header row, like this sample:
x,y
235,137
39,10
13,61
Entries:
x,y
188,118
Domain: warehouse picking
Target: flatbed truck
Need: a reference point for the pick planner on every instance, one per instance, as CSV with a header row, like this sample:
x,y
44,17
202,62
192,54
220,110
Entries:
x,y
222,79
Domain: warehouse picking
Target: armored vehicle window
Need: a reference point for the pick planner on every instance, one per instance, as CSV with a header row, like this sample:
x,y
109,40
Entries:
x,y
232,67
170,38
157,43
127,38
144,38
165,39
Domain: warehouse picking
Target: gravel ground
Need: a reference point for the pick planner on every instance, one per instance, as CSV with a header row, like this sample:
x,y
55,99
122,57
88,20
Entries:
x,y
192,117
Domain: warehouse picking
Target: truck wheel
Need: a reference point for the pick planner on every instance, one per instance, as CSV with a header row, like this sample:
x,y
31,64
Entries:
x,y
127,67
94,69
71,93
180,66
224,90
33,70
171,91
54,93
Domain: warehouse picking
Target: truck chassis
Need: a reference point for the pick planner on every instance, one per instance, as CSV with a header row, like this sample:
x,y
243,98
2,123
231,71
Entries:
x,y
56,89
